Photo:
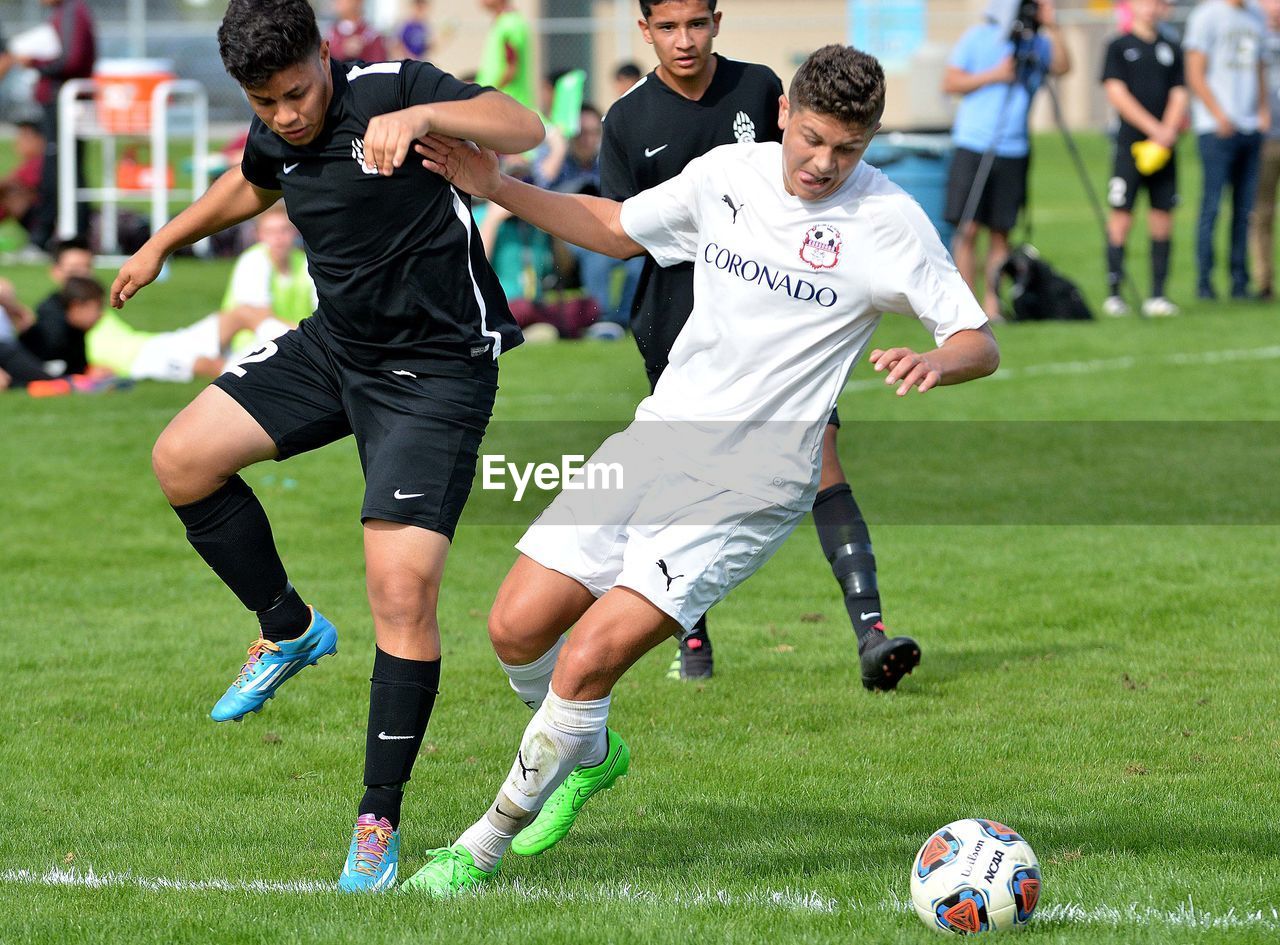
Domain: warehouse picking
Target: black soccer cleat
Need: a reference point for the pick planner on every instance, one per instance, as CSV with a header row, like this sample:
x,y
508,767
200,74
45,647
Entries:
x,y
693,661
885,660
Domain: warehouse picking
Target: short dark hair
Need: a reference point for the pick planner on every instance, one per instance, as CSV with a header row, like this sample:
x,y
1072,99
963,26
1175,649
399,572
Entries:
x,y
258,38
58,247
628,70
841,82
646,6
81,289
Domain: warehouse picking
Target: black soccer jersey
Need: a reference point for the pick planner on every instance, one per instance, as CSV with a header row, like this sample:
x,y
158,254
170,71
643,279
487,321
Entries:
x,y
1150,71
650,134
400,271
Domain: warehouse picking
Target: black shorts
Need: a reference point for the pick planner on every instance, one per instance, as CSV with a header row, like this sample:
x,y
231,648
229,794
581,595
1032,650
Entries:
x,y
1126,182
418,433
1002,197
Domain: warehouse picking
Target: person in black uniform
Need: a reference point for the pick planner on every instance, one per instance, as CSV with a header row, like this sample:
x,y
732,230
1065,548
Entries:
x,y
696,100
1143,78
402,352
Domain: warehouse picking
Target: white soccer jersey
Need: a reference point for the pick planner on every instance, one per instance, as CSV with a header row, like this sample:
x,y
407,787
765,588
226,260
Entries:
x,y
787,293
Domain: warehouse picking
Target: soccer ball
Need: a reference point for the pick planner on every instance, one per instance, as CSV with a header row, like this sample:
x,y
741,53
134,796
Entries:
x,y
975,876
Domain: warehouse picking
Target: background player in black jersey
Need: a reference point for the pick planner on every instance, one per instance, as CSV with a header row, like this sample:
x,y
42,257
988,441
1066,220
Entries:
x,y
696,100
402,353
1143,78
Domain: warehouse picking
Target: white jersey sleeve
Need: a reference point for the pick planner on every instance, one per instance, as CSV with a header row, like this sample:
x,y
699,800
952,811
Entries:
x,y
917,276
665,219
251,280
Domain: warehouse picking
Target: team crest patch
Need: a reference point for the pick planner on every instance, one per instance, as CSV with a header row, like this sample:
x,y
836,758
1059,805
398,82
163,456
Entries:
x,y
821,247
357,154
1164,54
744,129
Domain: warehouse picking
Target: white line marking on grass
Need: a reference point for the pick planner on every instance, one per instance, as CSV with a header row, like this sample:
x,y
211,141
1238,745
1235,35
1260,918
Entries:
x,y
1101,365
1185,915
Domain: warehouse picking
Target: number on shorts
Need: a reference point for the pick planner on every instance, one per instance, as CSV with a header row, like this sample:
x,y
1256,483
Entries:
x,y
1117,190
253,357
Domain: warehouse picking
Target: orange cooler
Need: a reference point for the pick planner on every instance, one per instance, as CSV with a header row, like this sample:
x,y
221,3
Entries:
x,y
124,92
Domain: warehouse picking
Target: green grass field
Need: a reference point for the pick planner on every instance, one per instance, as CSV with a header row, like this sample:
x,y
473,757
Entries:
x,y
1100,667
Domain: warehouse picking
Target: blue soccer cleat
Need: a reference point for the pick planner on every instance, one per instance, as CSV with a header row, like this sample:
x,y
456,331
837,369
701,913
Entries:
x,y
270,664
373,858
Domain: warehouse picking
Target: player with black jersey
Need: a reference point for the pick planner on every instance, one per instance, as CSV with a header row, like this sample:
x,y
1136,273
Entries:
x,y
402,352
694,101
1143,77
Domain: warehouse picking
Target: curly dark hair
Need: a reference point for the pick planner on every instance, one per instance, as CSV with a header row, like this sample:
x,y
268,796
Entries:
x,y
841,82
258,38
646,6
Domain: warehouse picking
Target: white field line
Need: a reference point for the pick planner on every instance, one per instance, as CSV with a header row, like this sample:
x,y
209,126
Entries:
x,y
1047,369
1184,915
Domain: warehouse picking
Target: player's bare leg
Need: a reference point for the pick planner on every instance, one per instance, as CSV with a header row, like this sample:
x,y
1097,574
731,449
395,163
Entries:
x,y
534,608
404,566
846,542
197,460
997,253
567,735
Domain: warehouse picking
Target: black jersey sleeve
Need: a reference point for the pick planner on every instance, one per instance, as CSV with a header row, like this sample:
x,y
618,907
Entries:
x,y
421,83
1178,75
255,166
773,132
1113,62
617,181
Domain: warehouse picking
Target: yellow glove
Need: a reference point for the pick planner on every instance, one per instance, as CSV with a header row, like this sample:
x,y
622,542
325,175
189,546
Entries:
x,y
1150,157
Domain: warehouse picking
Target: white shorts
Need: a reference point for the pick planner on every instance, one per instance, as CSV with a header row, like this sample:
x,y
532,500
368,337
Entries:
x,y
172,356
681,543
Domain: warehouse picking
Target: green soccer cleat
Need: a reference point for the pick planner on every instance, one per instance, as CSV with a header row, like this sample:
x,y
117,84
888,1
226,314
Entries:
x,y
448,872
561,810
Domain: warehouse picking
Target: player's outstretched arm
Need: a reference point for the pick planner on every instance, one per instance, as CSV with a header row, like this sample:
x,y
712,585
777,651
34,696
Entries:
x,y
492,120
593,223
230,200
965,356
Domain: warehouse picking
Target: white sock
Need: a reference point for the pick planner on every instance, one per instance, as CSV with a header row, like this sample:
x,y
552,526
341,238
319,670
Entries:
x,y
560,736
532,681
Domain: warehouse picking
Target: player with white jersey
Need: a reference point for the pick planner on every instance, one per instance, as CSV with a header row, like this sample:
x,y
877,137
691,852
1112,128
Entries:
x,y
693,102
722,460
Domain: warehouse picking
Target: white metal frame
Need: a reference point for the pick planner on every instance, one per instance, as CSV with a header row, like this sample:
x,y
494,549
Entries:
x,y
77,119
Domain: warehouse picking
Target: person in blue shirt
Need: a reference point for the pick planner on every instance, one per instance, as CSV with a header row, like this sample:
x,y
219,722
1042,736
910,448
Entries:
x,y
998,79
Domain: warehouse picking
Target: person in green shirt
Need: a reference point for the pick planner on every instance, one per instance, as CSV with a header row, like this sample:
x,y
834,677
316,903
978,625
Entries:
x,y
507,60
269,292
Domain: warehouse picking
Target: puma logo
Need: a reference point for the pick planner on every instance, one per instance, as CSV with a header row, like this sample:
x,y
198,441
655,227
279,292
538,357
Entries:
x,y
524,771
729,201
662,566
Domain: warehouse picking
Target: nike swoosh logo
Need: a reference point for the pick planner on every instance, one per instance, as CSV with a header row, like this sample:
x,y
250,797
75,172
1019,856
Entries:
x,y
580,798
650,152
874,613
383,736
288,168
409,495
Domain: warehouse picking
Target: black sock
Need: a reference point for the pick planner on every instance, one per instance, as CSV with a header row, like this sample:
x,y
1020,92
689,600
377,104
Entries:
x,y
1115,267
699,633
845,541
1159,266
230,531
401,695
